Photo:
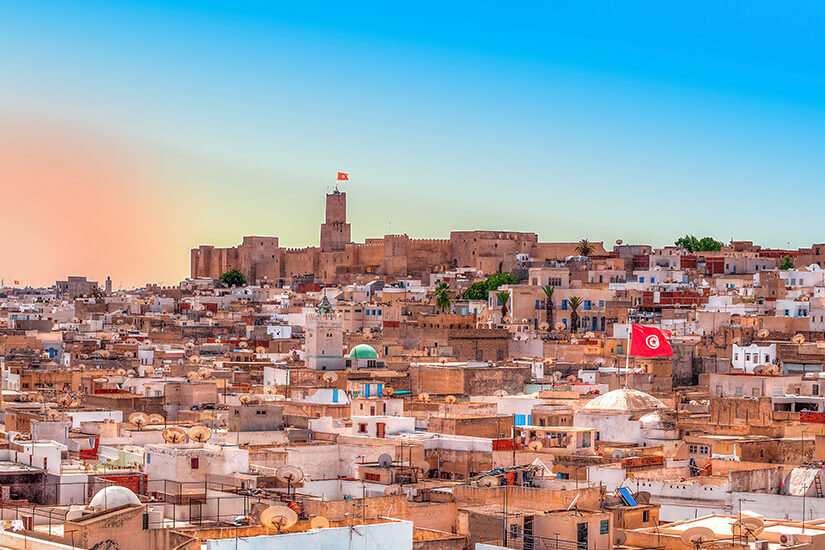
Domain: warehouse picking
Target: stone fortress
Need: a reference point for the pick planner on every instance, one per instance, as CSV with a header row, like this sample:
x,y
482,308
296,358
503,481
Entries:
x,y
338,259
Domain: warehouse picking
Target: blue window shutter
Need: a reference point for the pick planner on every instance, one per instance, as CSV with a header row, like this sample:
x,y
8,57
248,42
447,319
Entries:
x,y
520,420
366,390
335,396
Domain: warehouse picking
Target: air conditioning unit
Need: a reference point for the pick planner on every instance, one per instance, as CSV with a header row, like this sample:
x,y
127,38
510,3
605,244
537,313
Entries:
x,y
788,540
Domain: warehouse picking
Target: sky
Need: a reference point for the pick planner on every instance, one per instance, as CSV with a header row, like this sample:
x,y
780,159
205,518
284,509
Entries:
x,y
133,132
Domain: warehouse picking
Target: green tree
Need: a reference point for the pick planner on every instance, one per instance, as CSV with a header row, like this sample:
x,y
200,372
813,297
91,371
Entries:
x,y
443,296
233,278
497,279
574,303
692,244
787,263
480,290
476,291
549,290
584,248
503,298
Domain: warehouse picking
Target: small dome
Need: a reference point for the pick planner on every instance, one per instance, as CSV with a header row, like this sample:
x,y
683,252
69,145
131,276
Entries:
x,y
363,351
624,400
112,497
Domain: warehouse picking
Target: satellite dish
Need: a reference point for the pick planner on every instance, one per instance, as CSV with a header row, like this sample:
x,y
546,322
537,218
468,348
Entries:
x,y
696,536
155,419
121,372
559,326
394,490
798,339
500,393
269,390
279,517
557,375
424,397
450,399
619,241
193,376
534,395
64,400
174,435
246,399
329,377
741,529
204,373
772,369
318,522
754,524
149,370
261,349
195,359
138,419
758,369
617,454
599,362
571,378
535,445
289,474
424,466
200,434
489,481
764,333
388,391
385,461
544,325
642,497
619,537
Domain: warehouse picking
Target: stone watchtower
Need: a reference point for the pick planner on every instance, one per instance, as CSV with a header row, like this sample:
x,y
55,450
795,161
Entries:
x,y
335,231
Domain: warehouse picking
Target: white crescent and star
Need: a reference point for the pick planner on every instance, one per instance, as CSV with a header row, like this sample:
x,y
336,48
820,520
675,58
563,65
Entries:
x,y
652,341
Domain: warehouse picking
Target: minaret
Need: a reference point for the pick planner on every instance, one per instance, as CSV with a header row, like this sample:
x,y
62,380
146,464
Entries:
x,y
335,231
108,286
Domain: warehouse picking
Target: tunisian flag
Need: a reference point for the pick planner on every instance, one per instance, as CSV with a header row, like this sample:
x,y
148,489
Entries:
x,y
343,176
649,342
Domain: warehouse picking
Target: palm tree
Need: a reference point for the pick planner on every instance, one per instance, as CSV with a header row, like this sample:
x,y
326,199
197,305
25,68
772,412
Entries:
x,y
443,297
548,304
574,302
584,248
503,297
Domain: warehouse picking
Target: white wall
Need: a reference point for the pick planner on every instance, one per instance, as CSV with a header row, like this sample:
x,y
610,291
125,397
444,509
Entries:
x,y
396,535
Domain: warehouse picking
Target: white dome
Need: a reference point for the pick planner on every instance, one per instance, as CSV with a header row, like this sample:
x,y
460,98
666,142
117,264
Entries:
x,y
112,497
624,400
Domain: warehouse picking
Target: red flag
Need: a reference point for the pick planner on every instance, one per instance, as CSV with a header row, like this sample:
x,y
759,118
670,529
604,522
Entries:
x,y
649,342
17,282
342,176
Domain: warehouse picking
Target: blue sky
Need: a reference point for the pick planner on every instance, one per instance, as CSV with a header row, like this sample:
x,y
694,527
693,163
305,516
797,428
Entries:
x,y
634,120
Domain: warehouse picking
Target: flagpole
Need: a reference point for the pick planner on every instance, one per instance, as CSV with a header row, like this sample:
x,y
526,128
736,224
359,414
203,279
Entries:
x,y
627,357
